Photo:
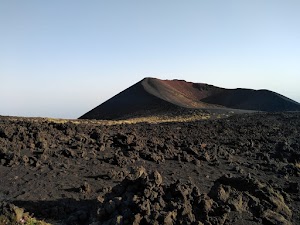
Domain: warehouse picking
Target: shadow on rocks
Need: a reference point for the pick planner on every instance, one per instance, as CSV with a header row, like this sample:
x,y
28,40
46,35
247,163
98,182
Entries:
x,y
66,211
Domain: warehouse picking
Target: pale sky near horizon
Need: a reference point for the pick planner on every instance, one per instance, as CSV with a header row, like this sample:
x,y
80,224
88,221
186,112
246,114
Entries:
x,y
61,58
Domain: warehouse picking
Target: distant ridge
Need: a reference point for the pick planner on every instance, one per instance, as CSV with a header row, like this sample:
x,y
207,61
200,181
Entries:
x,y
152,95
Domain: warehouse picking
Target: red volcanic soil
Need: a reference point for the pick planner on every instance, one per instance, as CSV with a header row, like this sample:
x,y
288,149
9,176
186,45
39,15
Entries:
x,y
154,96
178,92
193,91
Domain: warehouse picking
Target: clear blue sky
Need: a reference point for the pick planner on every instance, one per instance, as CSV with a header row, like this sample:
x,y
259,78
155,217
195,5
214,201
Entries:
x,y
61,58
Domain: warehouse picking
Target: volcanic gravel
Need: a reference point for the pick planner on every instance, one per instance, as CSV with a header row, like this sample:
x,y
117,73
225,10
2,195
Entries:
x,y
239,170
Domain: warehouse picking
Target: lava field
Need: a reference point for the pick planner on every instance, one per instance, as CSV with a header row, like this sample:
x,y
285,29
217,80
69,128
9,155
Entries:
x,y
239,170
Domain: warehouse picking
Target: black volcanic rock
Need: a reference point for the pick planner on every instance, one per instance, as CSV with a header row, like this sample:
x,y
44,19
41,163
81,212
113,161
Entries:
x,y
239,170
153,96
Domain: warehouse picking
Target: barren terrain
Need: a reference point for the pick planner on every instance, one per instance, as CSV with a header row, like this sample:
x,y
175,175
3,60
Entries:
x,y
242,169
154,97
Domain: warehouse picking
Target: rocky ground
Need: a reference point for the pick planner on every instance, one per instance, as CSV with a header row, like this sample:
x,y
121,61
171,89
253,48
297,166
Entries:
x,y
239,170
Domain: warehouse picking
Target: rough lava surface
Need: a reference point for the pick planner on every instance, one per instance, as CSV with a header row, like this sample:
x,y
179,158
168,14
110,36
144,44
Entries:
x,y
239,170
